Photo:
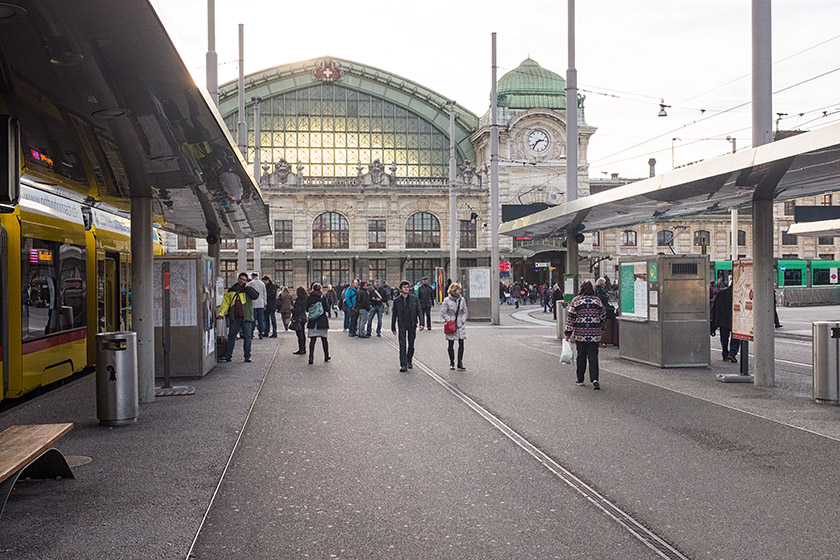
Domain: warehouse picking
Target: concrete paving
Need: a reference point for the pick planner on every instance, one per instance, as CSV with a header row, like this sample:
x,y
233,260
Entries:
x,y
352,459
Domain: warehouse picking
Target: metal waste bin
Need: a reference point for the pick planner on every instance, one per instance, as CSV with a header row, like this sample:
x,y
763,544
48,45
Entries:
x,y
561,308
826,360
116,378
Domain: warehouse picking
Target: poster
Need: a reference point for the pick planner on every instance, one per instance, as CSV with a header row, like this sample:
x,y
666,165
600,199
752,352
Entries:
x,y
479,282
742,300
633,284
182,297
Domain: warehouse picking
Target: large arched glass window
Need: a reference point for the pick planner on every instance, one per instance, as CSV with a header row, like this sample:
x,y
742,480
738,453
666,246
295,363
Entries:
x,y
330,231
422,231
331,130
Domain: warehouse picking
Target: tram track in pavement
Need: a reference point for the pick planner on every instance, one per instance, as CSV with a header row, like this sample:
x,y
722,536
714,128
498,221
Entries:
x,y
612,510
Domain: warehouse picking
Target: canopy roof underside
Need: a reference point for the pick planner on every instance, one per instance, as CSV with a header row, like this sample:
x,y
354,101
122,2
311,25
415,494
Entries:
x,y
803,165
107,109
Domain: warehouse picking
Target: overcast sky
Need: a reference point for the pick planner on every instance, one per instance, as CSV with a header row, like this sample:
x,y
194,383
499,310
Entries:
x,y
630,54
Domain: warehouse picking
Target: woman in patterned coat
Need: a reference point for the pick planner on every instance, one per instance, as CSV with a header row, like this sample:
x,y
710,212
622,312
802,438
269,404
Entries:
x,y
585,323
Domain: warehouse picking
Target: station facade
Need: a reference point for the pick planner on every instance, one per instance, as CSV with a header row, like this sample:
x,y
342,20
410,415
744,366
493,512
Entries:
x,y
355,164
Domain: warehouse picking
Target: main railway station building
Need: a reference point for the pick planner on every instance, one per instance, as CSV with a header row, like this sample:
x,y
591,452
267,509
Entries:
x,y
355,167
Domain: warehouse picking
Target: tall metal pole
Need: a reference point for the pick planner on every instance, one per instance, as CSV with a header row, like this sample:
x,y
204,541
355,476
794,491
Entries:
x,y
453,208
212,63
733,215
242,136
257,175
762,129
571,143
494,192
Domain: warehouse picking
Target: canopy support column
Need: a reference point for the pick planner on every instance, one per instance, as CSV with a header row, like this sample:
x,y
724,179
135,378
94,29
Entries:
x,y
142,295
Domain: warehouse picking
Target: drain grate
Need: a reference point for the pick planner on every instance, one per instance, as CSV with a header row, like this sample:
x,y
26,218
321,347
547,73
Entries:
x,y
77,460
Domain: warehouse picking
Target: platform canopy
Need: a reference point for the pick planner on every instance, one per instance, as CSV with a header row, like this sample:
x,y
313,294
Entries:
x,y
108,109
805,164
821,228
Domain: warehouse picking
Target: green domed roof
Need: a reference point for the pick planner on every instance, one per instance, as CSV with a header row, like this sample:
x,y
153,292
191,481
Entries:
x,y
531,86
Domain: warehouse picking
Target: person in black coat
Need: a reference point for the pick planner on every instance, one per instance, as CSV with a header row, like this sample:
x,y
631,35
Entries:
x,y
406,317
426,296
299,319
556,298
318,326
722,319
270,306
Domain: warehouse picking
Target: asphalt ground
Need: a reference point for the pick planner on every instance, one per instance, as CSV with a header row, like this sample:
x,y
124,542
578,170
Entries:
x,y
353,459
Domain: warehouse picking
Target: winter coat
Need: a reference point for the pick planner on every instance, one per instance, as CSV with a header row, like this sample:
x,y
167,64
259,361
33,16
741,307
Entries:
x,y
271,297
447,313
322,322
585,319
259,286
299,314
285,303
406,312
246,296
722,310
362,299
426,295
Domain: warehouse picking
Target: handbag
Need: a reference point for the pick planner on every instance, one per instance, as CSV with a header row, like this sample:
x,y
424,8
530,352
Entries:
x,y
450,327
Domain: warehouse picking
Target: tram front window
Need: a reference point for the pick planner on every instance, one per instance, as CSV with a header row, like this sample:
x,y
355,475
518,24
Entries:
x,y
53,278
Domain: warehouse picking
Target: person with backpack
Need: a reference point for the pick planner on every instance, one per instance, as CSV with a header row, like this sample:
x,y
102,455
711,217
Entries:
x,y
299,319
238,305
318,322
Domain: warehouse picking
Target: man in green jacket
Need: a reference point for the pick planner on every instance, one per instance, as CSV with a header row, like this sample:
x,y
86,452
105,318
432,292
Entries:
x,y
238,308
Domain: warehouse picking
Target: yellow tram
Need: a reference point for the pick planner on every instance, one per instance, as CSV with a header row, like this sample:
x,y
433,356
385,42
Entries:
x,y
67,269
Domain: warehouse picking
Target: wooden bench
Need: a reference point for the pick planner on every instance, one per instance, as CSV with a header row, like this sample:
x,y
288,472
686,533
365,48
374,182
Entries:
x,y
28,451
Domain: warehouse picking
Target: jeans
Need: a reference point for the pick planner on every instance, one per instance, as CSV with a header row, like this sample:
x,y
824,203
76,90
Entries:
x,y
587,350
286,317
271,322
363,328
351,318
301,338
375,311
346,317
237,326
259,321
426,317
406,338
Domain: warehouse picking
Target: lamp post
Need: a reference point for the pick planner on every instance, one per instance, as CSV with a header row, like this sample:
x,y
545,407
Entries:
x,y
453,208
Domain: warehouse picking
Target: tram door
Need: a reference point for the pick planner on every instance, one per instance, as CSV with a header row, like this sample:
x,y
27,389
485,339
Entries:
x,y
108,282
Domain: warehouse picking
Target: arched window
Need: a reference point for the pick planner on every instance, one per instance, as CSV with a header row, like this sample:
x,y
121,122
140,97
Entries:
x,y
702,235
664,237
330,231
422,231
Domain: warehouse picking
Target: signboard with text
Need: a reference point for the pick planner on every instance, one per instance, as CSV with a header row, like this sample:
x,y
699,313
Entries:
x,y
742,300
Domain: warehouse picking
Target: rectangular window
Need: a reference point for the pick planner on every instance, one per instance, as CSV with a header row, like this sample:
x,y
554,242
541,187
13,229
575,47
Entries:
x,y
283,273
826,240
824,276
628,238
283,234
742,238
468,234
702,236
229,273
788,239
827,256
54,288
790,205
376,270
826,200
186,243
331,271
664,238
227,244
596,238
376,234
793,277
416,269
467,263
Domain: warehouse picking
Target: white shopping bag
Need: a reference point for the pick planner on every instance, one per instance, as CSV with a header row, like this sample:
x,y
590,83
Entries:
x,y
567,357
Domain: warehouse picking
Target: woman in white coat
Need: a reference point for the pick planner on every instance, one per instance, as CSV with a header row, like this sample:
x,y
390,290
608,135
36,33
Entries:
x,y
454,308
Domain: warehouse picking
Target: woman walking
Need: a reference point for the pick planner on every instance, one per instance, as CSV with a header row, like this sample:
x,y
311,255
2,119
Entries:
x,y
319,323
455,309
298,322
585,322
285,305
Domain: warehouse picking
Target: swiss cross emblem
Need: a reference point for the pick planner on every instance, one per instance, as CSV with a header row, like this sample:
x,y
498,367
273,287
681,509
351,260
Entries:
x,y
327,73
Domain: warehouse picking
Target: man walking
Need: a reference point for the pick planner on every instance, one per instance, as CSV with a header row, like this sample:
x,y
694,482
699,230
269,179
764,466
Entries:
x,y
238,306
363,309
259,305
377,303
426,295
270,306
285,307
406,316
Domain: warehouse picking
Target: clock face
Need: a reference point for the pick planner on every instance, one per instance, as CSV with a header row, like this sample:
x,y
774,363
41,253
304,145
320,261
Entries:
x,y
538,141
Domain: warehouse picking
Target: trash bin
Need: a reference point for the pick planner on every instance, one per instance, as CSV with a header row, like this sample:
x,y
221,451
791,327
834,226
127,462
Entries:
x,y
826,360
562,309
116,378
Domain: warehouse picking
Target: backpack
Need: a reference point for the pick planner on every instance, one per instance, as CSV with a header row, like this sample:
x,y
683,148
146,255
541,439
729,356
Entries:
x,y
315,310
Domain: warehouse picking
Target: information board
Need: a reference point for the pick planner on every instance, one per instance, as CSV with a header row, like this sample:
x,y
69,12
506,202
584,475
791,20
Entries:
x,y
479,283
742,300
634,290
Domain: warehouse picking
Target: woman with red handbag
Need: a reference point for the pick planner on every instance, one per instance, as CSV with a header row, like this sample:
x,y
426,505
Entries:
x,y
454,315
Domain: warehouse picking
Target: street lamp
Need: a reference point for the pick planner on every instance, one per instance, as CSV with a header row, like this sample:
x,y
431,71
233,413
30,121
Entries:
x,y
732,141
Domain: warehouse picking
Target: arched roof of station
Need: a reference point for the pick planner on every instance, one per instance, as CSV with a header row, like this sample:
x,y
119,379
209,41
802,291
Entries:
x,y
411,96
